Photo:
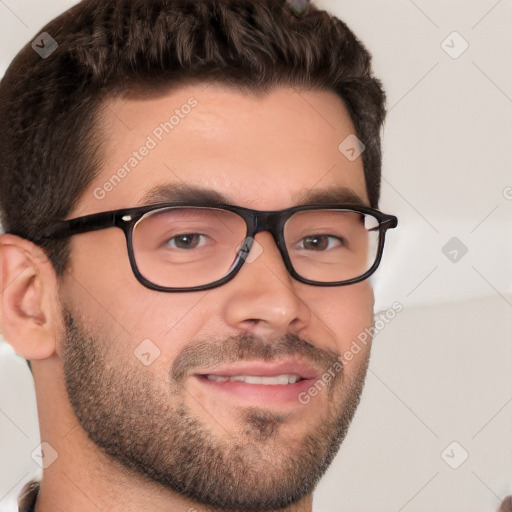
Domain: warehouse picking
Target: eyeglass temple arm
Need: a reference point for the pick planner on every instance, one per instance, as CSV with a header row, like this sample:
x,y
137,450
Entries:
x,y
93,222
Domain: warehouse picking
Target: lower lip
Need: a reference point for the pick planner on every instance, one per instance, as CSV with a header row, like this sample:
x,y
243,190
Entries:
x,y
266,393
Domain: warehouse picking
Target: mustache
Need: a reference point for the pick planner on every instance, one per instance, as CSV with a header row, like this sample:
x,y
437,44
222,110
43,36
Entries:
x,y
246,346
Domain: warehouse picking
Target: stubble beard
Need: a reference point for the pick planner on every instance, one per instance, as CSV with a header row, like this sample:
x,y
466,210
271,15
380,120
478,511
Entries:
x,y
146,426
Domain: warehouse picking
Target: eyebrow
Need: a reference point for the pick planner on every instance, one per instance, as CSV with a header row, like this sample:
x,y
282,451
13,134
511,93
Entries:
x,y
209,197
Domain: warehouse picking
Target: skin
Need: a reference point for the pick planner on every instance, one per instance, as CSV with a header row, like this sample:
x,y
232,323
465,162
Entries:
x,y
259,151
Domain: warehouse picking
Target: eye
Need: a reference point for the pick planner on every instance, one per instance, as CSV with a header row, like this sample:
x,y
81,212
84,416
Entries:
x,y
185,241
320,242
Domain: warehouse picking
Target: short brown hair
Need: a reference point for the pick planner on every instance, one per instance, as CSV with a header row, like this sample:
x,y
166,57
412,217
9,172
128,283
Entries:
x,y
49,141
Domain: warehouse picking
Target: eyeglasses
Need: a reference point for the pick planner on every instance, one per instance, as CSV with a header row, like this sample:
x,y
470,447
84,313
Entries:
x,y
183,246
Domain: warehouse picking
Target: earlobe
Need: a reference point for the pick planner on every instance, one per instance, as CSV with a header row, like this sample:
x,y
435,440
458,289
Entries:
x,y
28,316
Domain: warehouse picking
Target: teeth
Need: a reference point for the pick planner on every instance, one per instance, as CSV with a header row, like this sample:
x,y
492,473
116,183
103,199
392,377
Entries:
x,y
253,379
217,378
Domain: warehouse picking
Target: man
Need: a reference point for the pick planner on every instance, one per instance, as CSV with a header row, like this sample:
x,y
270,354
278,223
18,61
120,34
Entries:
x,y
189,191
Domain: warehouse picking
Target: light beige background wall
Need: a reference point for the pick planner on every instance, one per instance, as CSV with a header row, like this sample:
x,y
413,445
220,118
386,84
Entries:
x,y
434,429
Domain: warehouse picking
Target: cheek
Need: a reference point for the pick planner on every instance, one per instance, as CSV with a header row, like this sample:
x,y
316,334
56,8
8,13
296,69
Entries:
x,y
359,302
170,321
347,312
101,287
104,285
355,346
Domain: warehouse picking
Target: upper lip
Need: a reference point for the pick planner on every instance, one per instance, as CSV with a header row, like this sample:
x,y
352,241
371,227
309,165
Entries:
x,y
264,369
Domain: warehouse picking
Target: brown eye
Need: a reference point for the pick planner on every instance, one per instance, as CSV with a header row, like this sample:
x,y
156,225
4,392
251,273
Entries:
x,y
185,241
319,242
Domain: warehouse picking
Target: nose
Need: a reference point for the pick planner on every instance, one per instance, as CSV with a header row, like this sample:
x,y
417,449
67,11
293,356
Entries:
x,y
263,298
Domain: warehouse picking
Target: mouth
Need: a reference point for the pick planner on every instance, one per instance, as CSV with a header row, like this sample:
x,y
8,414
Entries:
x,y
283,379
271,382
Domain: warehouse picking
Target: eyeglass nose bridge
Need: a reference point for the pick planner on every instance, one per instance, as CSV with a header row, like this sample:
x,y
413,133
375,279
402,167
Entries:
x,y
273,222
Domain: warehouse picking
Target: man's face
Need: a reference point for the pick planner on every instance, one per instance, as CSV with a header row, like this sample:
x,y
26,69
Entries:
x,y
235,445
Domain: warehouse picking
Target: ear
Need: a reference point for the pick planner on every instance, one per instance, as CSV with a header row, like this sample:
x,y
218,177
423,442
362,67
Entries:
x,y
29,306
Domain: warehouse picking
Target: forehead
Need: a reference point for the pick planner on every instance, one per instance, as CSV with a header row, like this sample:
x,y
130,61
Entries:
x,y
265,151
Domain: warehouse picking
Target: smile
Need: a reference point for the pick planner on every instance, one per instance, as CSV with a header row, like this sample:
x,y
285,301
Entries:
x,y
257,379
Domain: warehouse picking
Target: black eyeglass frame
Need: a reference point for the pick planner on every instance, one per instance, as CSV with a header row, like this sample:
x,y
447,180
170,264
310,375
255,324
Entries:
x,y
256,221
